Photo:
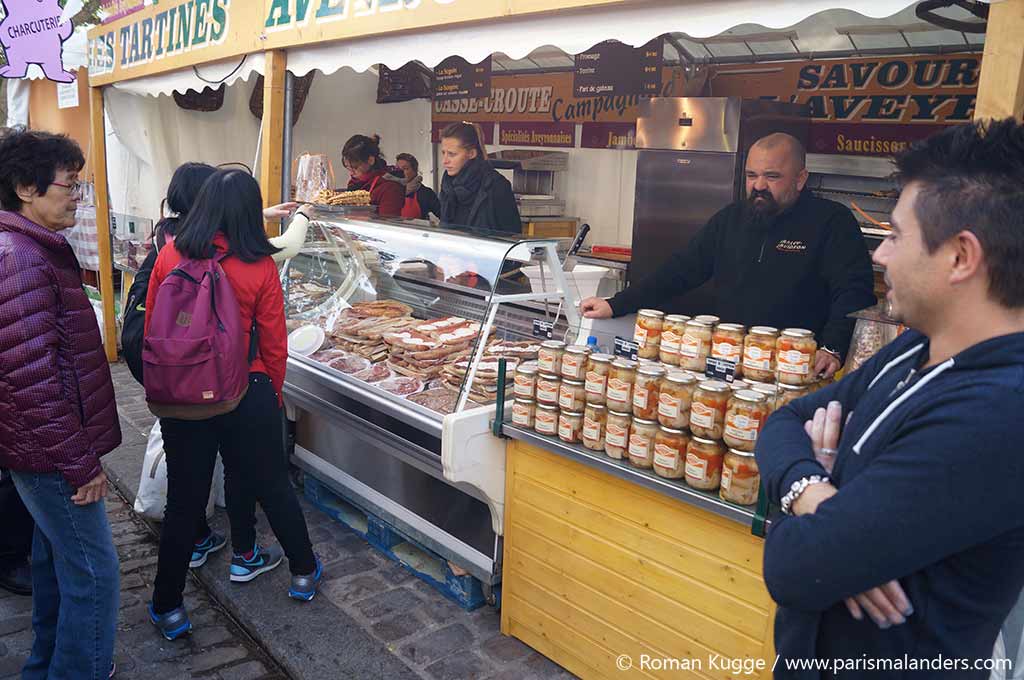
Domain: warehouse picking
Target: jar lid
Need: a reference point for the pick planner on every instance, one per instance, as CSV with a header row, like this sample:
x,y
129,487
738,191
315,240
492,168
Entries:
x,y
577,383
709,319
764,388
677,318
655,313
656,369
699,377
714,386
641,421
572,414
553,344
798,333
745,454
619,414
527,368
602,358
697,323
624,363
752,396
737,327
672,430
549,376
793,388
738,384
681,377
578,349
597,407
523,401
547,407
702,440
764,330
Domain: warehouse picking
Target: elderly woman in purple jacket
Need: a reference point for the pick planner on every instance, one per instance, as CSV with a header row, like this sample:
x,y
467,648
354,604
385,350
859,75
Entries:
x,y
57,409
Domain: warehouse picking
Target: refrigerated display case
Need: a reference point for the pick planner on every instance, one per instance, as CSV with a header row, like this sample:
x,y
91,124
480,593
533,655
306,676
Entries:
x,y
393,410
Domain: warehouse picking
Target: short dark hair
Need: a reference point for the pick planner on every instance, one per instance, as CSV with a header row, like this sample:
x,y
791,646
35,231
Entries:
x,y
229,202
359,149
31,158
182,192
971,177
410,159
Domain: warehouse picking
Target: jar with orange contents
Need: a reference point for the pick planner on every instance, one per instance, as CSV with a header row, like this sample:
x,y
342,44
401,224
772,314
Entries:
x,y
788,393
548,387
704,458
646,390
598,368
671,337
670,453
695,346
571,396
574,362
570,426
744,419
741,480
525,380
794,359
771,392
595,419
619,396
523,413
647,333
759,353
549,357
727,344
546,420
616,434
641,443
707,412
674,399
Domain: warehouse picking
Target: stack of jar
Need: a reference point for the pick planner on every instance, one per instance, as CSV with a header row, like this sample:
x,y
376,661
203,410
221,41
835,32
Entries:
x,y
550,392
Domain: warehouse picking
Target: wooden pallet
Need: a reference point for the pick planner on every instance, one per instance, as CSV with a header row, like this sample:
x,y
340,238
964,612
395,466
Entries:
x,y
426,565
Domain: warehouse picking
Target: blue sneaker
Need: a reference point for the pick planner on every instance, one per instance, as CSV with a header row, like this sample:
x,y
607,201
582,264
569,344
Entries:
x,y
172,625
263,560
200,551
304,587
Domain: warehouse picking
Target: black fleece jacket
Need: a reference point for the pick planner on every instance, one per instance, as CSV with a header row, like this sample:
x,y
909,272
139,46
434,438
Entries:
x,y
807,268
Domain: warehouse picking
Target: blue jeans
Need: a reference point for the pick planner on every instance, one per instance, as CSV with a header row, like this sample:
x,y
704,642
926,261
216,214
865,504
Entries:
x,y
75,582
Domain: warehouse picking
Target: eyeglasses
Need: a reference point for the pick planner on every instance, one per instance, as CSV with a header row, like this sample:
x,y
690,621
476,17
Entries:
x,y
73,189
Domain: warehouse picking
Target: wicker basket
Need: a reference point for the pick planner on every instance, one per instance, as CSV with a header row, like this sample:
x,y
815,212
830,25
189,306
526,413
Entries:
x,y
300,92
207,100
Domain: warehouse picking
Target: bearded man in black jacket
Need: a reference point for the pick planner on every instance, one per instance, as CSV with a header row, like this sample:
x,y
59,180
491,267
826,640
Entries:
x,y
783,257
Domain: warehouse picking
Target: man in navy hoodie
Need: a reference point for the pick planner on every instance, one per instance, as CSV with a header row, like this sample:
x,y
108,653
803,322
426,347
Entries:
x,y
901,550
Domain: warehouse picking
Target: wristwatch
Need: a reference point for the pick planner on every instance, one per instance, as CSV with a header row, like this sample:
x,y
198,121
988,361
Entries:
x,y
834,353
797,488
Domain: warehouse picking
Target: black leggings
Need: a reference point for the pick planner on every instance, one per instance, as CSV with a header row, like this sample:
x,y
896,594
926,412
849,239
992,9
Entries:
x,y
250,440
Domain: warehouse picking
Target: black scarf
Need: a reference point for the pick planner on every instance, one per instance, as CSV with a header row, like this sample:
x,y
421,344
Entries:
x,y
462,189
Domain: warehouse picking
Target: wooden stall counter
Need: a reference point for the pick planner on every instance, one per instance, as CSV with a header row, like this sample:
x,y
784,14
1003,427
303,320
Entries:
x,y
614,573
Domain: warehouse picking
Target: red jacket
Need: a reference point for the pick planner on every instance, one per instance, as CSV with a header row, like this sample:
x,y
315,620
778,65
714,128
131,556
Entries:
x,y
57,408
385,193
258,291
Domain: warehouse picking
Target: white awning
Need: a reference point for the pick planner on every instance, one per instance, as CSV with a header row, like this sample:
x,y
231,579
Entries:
x,y
196,78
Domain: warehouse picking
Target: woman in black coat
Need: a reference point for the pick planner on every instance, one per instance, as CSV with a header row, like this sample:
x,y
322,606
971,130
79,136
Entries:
x,y
473,194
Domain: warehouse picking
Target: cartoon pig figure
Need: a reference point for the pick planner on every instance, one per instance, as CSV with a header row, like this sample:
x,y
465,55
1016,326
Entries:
x,y
31,33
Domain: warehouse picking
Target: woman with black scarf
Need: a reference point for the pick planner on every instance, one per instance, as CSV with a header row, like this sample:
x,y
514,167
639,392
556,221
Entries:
x,y
473,194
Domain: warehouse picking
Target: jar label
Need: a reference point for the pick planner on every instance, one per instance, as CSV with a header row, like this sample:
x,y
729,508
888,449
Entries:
x,y
571,364
640,335
565,430
595,383
615,435
665,456
690,346
696,467
566,400
726,350
702,415
669,406
795,362
521,415
524,386
547,391
618,390
757,358
639,446
741,427
546,362
591,429
726,478
546,423
670,342
640,397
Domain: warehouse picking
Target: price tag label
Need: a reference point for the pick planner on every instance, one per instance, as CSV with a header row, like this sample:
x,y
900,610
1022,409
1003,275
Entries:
x,y
720,369
626,349
543,329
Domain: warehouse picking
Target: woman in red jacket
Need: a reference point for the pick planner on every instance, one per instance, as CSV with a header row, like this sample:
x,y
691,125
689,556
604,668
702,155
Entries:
x,y
227,218
361,156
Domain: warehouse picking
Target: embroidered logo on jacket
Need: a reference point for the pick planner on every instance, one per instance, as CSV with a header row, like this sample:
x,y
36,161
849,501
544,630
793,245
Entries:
x,y
788,246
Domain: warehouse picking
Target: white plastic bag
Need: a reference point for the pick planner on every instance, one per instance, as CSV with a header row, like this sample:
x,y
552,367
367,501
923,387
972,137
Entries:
x,y
152,497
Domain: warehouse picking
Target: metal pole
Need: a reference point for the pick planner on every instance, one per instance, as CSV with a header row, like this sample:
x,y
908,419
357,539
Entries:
x,y
289,113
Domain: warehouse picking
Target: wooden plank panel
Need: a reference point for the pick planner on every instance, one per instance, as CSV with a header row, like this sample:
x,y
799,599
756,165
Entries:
x,y
98,152
644,507
670,627
709,601
272,137
698,564
520,627
1001,87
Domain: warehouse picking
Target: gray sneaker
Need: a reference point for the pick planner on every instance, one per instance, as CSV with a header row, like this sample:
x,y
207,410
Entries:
x,y
263,560
304,586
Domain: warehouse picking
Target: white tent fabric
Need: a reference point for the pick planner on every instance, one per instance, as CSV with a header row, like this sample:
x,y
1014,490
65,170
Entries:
x,y
213,74
17,102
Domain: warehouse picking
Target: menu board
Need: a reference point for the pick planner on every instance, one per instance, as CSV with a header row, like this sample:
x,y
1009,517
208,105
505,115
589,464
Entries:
x,y
456,78
616,69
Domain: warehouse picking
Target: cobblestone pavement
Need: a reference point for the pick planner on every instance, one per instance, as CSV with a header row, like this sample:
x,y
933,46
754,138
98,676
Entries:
x,y
373,619
219,650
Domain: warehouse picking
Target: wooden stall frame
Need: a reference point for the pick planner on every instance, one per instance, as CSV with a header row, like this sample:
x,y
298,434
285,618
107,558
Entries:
x,y
106,274
272,141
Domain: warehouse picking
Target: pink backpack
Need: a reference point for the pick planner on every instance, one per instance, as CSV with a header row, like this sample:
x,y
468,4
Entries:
x,y
195,362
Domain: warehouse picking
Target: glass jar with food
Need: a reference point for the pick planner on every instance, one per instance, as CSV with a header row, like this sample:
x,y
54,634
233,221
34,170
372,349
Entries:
x,y
574,362
641,442
523,413
695,346
744,419
548,388
739,384
671,337
709,319
794,359
646,390
759,353
788,393
619,396
741,479
616,434
549,357
570,426
707,412
670,453
674,399
770,391
704,458
598,368
727,344
595,418
545,420
572,396
525,381
647,333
